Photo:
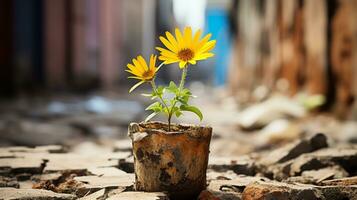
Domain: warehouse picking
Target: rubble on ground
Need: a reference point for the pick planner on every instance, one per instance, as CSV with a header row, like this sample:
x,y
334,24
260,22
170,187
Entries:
x,y
308,168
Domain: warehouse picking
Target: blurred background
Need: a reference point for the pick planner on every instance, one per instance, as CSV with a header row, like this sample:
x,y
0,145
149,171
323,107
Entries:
x,y
282,69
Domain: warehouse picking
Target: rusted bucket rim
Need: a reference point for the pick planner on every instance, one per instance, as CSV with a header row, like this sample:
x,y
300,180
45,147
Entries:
x,y
155,127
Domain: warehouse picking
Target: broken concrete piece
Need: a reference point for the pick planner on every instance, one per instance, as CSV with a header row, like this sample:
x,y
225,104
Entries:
x,y
346,158
280,191
95,183
106,171
71,161
320,175
225,175
229,189
94,196
240,165
32,194
294,149
342,182
21,165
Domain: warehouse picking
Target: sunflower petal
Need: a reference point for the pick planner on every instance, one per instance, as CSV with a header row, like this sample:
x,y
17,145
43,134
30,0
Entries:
x,y
168,60
168,44
143,63
187,36
182,64
135,86
151,62
207,47
196,37
172,40
133,73
154,61
192,62
135,77
179,38
169,54
132,68
204,56
138,65
203,41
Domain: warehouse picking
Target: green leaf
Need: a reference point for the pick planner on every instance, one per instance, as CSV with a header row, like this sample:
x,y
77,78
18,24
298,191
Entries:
x,y
172,88
151,116
156,107
178,113
135,86
192,109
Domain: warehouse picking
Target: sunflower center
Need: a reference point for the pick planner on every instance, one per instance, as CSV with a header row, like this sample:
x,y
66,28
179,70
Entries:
x,y
147,75
185,54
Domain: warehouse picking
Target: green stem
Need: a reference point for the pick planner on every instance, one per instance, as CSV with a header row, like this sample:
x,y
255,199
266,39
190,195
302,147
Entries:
x,y
153,85
181,86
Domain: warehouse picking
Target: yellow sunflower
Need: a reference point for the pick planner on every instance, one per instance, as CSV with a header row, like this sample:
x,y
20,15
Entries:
x,y
185,48
141,71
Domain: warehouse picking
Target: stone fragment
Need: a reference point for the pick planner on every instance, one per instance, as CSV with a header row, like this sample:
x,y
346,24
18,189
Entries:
x,y
346,158
21,165
139,195
294,149
240,165
72,161
342,181
231,189
32,194
95,183
280,191
106,171
94,196
320,175
225,175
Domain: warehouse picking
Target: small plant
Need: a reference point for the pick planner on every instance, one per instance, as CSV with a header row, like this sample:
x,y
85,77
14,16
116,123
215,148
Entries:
x,y
185,49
